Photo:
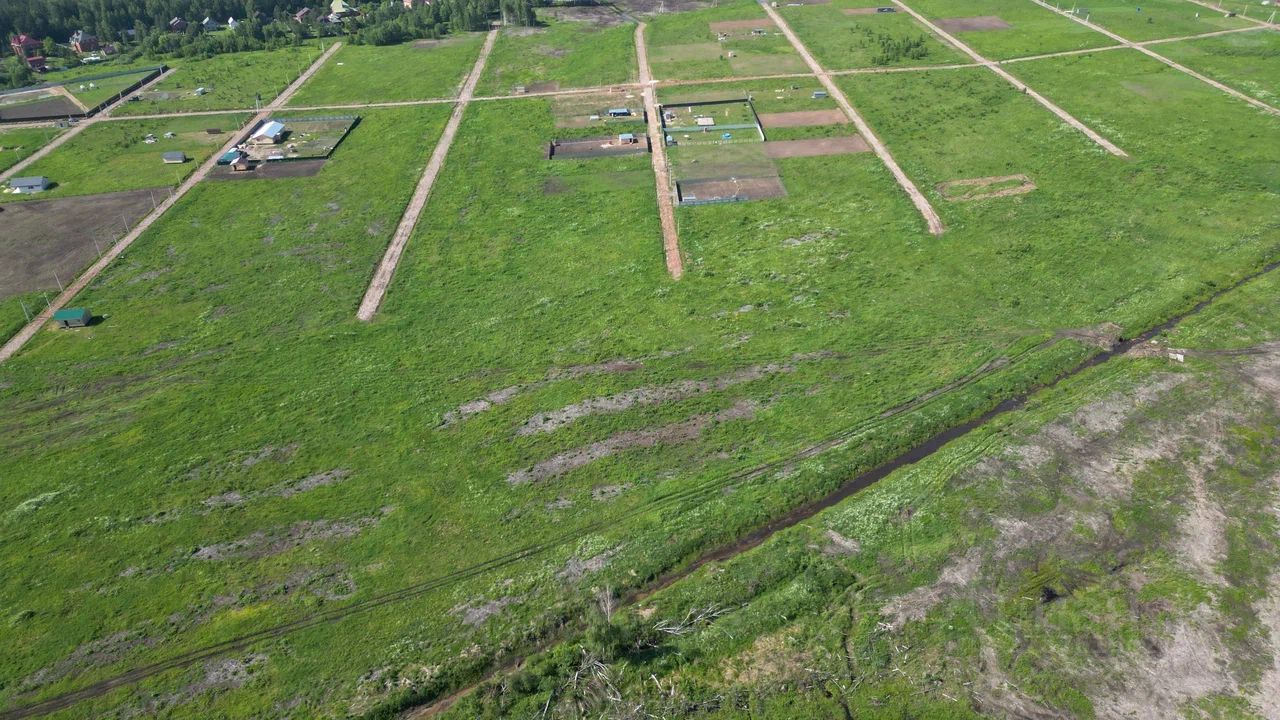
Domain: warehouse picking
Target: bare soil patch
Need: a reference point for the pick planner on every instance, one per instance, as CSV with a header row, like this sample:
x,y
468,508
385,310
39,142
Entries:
x,y
542,87
576,568
596,147
986,188
475,614
693,192
673,434
815,147
972,24
266,170
266,543
53,106
803,118
733,26
43,237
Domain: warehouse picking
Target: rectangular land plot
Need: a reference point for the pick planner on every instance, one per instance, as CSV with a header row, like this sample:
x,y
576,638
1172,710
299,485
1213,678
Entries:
x,y
39,104
229,81
1139,20
417,70
1032,30
816,147
729,189
305,137
683,46
18,143
1248,62
803,118
562,55
94,91
844,42
607,146
973,24
115,156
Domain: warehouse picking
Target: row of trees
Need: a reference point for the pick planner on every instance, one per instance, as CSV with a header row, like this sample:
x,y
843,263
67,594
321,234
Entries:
x,y
142,26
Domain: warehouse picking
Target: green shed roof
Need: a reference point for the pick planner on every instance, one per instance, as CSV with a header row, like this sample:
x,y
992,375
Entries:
x,y
72,314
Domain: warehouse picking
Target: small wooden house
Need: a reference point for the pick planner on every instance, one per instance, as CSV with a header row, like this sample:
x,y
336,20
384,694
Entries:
x,y
72,317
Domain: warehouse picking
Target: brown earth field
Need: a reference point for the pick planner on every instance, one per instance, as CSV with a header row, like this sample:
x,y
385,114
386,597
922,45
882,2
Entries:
x,y
52,107
597,147
757,188
43,237
286,169
815,147
968,24
802,118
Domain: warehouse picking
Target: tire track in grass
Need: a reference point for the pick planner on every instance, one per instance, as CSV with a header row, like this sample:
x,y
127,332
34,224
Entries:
x,y
387,268
23,336
1045,102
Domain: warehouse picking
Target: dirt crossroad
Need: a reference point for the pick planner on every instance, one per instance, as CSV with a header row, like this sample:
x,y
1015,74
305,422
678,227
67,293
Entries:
x,y
1141,47
661,171
1007,77
918,199
387,268
23,336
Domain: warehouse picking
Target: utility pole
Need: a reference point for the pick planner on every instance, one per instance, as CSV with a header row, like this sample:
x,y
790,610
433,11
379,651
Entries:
x,y
55,277
25,311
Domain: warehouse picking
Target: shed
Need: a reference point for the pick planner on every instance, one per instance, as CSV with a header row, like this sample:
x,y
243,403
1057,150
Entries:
x,y
818,94
229,157
619,112
72,317
177,157
271,132
627,139
28,185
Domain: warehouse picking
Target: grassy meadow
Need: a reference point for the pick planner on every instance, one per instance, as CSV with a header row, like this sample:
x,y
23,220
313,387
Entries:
x,y
229,449
112,156
1248,62
844,42
19,143
682,46
103,89
572,54
1033,30
417,70
232,81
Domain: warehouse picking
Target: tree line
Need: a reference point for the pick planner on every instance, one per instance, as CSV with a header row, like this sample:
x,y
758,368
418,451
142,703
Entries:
x,y
141,27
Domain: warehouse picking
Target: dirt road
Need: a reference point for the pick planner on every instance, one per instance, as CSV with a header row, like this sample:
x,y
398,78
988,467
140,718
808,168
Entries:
x,y
917,198
1141,47
661,171
387,268
24,335
74,131
1218,8
1007,77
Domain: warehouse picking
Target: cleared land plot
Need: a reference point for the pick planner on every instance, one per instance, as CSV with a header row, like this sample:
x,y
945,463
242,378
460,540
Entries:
x,y
305,138
563,55
684,47
114,156
729,189
45,103
803,118
228,81
18,143
419,70
1141,20
816,147
42,238
1248,62
843,42
94,91
592,111
596,147
973,24
1032,29
290,169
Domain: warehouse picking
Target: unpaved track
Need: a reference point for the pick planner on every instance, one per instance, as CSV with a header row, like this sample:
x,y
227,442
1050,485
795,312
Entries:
x,y
1218,8
24,335
387,268
1140,47
1017,84
72,132
661,171
917,198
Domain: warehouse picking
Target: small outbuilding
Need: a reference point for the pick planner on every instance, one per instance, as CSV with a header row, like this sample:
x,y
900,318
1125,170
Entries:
x,y
72,317
271,133
619,112
627,139
176,157
29,185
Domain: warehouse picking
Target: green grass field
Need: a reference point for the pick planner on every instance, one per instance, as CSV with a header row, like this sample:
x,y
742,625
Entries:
x,y
844,42
1248,62
19,143
419,70
1033,30
571,54
112,156
1142,20
103,89
232,81
682,46
230,449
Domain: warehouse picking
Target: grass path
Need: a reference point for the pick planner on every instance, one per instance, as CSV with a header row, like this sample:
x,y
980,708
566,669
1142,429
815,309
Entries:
x,y
23,336
661,171
918,199
1048,104
387,268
